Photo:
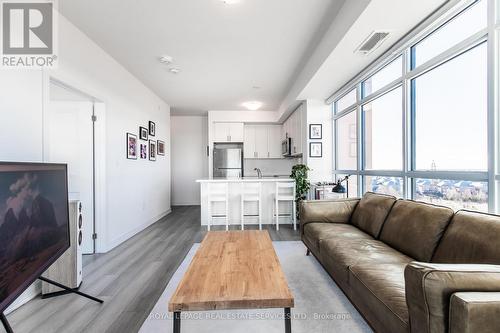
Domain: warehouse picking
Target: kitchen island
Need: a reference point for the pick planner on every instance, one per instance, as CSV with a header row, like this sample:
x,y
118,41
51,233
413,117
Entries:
x,y
268,185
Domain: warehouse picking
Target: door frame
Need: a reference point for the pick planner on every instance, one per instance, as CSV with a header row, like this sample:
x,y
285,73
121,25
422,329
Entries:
x,y
99,152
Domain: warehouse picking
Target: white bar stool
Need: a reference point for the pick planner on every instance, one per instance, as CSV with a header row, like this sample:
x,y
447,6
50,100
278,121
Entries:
x,y
251,192
218,192
285,192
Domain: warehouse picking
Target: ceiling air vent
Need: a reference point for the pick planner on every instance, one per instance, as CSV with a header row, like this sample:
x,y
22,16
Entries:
x,y
372,42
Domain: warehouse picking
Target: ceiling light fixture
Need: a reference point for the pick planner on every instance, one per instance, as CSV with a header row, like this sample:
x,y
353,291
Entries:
x,y
174,70
230,2
252,105
166,59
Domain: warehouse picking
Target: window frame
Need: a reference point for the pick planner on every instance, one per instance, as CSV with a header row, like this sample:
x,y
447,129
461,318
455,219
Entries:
x,y
490,35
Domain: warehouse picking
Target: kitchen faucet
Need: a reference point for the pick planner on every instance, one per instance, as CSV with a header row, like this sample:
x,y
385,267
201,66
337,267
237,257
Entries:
x,y
259,173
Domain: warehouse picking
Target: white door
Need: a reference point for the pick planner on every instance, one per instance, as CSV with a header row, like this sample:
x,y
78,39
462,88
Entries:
x,y
274,141
68,138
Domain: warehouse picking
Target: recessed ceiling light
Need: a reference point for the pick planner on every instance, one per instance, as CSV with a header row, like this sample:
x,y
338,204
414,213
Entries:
x,y
252,105
230,2
174,70
166,59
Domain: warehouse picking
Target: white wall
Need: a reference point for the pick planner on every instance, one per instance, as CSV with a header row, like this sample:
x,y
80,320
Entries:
x,y
189,158
321,168
137,192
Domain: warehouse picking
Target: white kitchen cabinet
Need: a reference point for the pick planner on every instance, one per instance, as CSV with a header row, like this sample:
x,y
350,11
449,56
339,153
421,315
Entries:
x,y
249,142
228,132
236,132
274,141
294,126
262,141
261,135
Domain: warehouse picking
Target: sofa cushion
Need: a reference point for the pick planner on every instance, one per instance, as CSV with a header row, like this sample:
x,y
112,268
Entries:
x,y
415,228
378,291
314,233
339,254
471,237
371,212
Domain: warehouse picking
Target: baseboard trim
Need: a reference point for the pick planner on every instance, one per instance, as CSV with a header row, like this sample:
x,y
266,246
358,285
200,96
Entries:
x,y
117,241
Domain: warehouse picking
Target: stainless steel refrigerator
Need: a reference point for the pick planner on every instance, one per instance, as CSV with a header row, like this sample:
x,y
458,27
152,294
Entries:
x,y
228,160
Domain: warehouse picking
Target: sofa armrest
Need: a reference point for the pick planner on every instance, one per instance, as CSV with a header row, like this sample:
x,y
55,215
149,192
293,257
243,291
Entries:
x,y
429,288
327,211
475,312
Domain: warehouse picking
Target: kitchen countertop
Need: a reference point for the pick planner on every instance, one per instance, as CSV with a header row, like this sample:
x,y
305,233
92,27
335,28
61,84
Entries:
x,y
245,179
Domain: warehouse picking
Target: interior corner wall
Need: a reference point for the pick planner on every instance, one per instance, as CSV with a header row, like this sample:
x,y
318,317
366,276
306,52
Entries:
x,y
189,158
321,167
137,192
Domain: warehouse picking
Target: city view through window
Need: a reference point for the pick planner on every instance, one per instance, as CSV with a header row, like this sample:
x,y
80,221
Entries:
x,y
448,127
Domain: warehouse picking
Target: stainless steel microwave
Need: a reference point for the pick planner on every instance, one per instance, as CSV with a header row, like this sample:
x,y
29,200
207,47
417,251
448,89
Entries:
x,y
286,147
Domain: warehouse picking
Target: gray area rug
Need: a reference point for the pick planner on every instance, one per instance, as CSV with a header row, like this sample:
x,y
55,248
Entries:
x,y
320,306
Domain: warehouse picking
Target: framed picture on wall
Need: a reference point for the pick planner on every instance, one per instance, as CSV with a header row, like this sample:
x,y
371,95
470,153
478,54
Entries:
x,y
143,133
131,146
315,149
144,151
315,131
161,147
152,150
152,128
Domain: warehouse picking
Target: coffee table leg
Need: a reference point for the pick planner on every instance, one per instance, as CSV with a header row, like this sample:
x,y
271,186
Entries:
x,y
288,321
177,322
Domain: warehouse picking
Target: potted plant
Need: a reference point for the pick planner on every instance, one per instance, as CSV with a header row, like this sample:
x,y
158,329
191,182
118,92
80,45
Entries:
x,y
302,185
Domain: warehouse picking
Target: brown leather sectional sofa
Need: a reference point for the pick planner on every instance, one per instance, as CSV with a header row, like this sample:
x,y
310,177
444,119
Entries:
x,y
409,266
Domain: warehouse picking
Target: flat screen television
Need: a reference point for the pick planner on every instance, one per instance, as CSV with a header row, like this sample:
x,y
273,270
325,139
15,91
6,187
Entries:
x,y
34,224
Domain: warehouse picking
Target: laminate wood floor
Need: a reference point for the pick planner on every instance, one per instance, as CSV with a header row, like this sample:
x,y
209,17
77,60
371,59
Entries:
x,y
129,279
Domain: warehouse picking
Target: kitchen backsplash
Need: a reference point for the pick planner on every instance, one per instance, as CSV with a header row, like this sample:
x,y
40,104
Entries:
x,y
270,167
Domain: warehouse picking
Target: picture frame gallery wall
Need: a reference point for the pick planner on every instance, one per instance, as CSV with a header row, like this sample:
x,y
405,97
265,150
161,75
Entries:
x,y
149,148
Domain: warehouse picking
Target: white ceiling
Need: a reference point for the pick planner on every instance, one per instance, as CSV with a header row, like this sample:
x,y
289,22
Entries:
x,y
223,51
291,49
343,64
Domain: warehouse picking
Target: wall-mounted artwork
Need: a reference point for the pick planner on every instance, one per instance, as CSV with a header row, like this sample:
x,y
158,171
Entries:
x,y
152,150
152,128
315,131
315,149
161,147
131,146
143,133
144,151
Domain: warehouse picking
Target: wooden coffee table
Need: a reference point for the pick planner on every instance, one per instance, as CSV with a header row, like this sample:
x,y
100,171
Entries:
x,y
233,270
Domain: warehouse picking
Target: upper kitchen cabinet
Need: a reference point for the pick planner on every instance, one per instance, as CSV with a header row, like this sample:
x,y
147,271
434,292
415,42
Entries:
x,y
262,141
294,127
274,141
228,132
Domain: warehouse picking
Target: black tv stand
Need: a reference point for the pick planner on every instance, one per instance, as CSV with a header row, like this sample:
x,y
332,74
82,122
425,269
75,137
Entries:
x,y
5,322
70,290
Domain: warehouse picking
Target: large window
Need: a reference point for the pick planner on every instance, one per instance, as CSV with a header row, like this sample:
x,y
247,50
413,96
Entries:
x,y
451,114
386,75
456,194
383,132
347,155
425,115
453,32
384,185
346,101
